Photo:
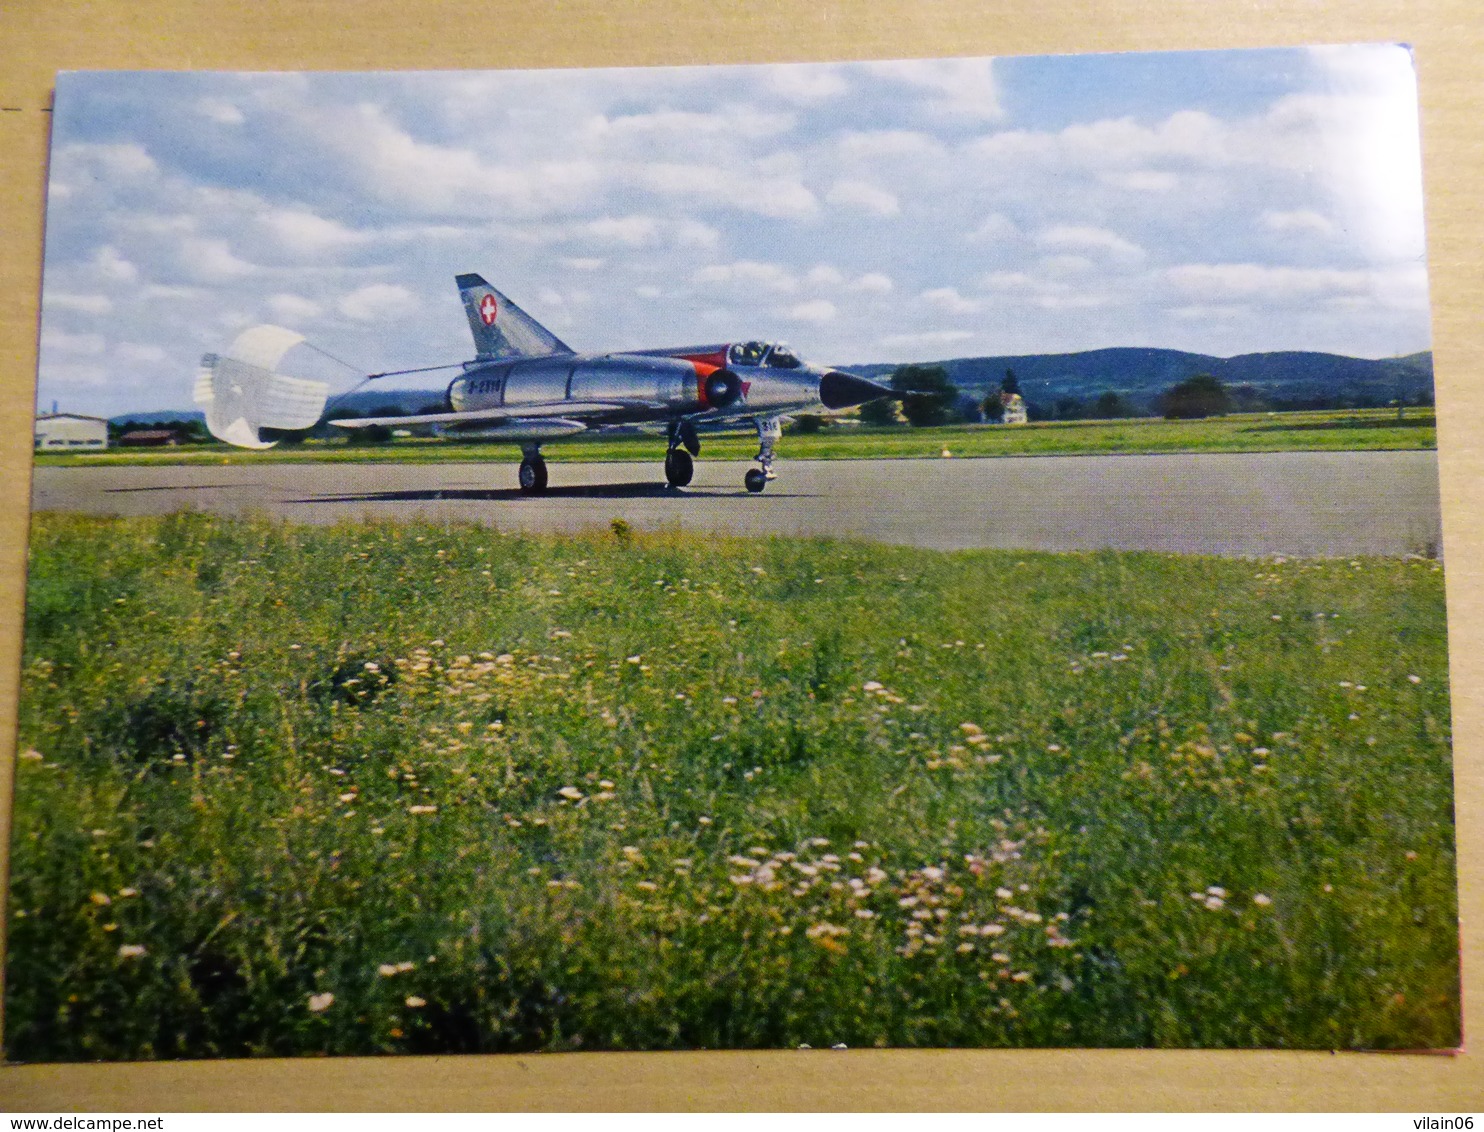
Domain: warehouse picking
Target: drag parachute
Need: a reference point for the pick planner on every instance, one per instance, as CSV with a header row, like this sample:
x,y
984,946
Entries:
x,y
241,392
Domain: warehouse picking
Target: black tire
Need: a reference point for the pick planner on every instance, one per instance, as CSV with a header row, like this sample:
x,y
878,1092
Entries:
x,y
679,468
755,479
533,476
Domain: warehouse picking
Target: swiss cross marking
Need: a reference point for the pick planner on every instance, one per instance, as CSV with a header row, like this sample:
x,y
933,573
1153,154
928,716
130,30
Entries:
x,y
488,310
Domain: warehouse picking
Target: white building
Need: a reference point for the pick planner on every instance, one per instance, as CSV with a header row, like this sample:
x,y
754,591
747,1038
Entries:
x,y
70,431
1015,409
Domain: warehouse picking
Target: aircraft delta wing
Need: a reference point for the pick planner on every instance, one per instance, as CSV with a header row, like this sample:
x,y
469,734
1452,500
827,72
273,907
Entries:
x,y
526,386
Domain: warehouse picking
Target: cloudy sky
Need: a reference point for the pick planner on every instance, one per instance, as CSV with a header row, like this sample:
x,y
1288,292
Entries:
x,y
1220,202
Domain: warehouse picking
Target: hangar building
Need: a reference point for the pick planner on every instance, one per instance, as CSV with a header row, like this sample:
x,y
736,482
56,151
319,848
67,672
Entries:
x,y
70,431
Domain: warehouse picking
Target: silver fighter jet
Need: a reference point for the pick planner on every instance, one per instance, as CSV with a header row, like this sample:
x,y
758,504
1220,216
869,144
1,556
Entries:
x,y
527,387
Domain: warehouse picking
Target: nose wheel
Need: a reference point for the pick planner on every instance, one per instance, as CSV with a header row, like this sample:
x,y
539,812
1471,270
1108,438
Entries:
x,y
533,474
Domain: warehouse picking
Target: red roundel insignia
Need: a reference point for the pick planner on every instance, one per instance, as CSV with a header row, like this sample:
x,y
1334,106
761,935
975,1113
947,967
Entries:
x,y
488,310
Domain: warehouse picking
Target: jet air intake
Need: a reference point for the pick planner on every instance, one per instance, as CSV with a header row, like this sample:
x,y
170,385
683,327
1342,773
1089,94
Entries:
x,y
839,390
722,389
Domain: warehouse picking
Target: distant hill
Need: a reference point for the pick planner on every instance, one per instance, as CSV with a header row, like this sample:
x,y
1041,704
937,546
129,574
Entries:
x,y
159,417
1284,378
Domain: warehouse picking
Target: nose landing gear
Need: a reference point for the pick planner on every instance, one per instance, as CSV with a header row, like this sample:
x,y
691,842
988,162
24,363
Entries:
x,y
769,431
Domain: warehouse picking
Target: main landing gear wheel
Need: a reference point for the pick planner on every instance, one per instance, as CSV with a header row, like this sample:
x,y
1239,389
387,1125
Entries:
x,y
679,468
755,479
533,475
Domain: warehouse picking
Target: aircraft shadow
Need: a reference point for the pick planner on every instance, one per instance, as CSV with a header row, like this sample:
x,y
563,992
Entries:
x,y
510,494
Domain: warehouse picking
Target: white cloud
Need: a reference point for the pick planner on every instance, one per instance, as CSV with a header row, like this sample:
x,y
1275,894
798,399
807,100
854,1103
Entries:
x,y
996,227
1258,281
635,230
583,263
631,231
1298,220
1361,138
1065,264
212,261
775,196
873,145
1009,281
429,177
872,283
747,122
694,234
220,111
1206,312
823,275
814,310
864,197
308,234
378,302
1142,180
139,353
1087,237
56,341
748,273
293,308
1353,140
87,304
171,293
806,84
84,374
948,299
180,224
1106,144
926,338
1055,302
127,161
110,265
956,87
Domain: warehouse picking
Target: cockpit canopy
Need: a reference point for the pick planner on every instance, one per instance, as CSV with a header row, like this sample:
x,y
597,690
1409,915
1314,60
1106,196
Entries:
x,y
773,354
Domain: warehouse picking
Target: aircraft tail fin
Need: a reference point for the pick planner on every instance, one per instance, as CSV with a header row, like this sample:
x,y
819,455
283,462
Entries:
x,y
501,329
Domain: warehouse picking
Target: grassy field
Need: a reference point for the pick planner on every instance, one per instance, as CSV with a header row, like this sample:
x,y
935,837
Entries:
x,y
1347,429
383,788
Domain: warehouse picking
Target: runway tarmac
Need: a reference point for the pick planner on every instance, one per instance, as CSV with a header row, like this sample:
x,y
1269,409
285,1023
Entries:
x,y
1299,503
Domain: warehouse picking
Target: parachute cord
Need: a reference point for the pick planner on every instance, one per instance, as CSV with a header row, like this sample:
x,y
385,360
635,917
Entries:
x,y
333,358
330,404
424,369
368,377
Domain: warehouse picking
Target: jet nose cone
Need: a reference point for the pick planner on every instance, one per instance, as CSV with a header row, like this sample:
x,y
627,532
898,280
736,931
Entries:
x,y
843,390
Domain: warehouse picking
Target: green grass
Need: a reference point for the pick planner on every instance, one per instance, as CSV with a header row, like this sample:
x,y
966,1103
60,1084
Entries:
x,y
497,792
1331,430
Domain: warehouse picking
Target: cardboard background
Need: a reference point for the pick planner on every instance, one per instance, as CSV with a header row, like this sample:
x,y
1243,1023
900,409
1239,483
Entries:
x,y
40,37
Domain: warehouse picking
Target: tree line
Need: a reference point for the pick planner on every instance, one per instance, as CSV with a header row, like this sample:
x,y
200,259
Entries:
x,y
933,399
